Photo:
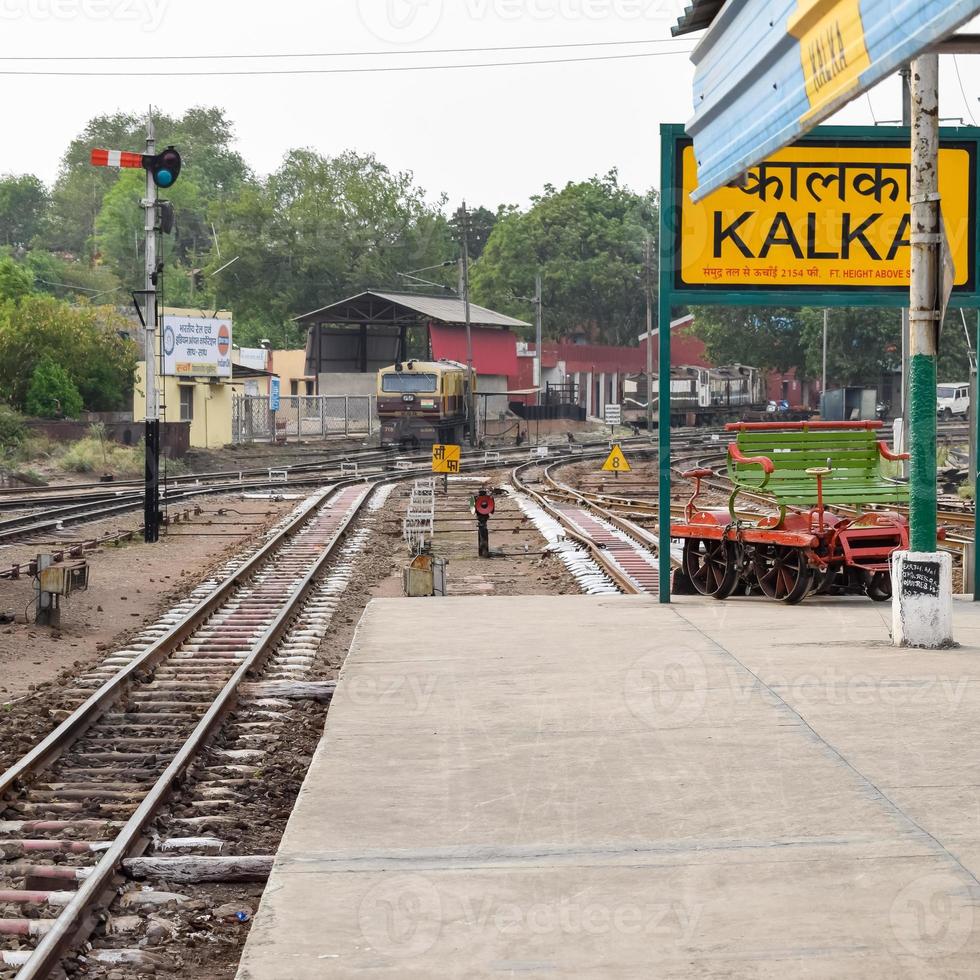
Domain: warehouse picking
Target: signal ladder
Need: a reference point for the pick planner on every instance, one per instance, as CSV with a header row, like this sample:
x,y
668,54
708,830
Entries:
x,y
420,516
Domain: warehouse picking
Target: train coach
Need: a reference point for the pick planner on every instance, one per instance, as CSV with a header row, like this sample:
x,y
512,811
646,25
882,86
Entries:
x,y
701,396
422,402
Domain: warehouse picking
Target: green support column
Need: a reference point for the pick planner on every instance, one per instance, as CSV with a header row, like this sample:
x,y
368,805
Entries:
x,y
664,275
663,442
922,449
975,396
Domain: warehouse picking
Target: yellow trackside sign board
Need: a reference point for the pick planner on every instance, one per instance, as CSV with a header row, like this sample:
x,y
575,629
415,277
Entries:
x,y
833,53
821,215
617,462
445,459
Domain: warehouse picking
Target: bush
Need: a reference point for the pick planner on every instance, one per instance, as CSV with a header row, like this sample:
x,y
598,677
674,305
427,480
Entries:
x,y
51,394
12,430
94,453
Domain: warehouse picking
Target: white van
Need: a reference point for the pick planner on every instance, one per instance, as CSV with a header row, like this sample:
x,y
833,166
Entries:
x,y
952,399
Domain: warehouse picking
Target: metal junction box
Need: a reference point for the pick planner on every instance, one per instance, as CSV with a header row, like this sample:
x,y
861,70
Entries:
x,y
65,578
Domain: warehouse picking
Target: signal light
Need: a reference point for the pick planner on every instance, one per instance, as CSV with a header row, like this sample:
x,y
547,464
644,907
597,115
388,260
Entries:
x,y
484,505
164,167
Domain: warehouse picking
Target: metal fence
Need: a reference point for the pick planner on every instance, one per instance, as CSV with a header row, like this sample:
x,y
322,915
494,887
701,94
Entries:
x,y
303,416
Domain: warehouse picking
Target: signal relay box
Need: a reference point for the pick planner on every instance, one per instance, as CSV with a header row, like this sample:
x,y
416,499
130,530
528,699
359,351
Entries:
x,y
64,578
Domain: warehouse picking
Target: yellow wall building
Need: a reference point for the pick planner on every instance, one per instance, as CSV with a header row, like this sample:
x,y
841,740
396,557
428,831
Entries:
x,y
205,402
290,365
206,405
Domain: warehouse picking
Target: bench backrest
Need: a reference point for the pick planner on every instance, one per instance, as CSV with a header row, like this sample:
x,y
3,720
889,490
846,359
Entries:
x,y
853,455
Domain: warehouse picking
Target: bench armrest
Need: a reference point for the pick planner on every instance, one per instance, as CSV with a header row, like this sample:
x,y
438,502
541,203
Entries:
x,y
764,461
888,454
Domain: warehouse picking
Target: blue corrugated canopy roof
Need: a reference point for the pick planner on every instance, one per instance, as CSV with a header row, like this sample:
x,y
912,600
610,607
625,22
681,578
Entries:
x,y
697,17
751,96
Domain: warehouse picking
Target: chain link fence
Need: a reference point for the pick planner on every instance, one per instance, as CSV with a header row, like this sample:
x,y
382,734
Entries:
x,y
303,416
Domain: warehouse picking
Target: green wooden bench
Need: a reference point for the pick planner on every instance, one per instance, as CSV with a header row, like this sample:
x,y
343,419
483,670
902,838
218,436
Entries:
x,y
773,458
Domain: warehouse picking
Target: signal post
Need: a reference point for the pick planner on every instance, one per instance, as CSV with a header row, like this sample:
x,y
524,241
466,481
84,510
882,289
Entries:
x,y
162,170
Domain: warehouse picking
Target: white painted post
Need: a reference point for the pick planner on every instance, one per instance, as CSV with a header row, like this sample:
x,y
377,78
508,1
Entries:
x,y
922,607
922,578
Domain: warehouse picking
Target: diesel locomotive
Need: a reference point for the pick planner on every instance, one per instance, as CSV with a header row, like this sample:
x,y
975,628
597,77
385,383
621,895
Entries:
x,y
422,402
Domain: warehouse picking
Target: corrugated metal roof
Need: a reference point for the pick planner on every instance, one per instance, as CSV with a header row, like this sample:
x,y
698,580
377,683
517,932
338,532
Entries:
x,y
494,351
447,309
452,310
697,17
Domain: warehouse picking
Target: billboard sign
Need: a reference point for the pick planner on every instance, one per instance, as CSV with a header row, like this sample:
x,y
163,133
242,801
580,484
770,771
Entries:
x,y
196,346
766,72
828,215
274,387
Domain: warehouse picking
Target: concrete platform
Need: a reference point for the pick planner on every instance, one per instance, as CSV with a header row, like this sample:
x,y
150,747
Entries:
x,y
603,787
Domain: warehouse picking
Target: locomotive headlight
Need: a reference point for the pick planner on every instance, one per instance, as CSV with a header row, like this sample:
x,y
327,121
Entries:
x,y
408,398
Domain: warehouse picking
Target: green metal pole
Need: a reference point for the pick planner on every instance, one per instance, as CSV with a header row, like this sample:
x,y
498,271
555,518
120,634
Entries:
x,y
923,312
665,272
975,402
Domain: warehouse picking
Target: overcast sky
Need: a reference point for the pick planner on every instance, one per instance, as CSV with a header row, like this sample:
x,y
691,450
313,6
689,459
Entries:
x,y
491,135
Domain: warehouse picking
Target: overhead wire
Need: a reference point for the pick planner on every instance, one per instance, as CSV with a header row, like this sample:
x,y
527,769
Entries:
x,y
959,79
342,71
265,55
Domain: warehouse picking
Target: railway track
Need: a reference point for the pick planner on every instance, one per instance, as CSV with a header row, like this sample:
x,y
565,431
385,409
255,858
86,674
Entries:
x,y
79,803
82,802
110,503
626,552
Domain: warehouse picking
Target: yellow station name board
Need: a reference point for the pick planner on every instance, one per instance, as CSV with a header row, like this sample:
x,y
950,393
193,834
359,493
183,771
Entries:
x,y
830,217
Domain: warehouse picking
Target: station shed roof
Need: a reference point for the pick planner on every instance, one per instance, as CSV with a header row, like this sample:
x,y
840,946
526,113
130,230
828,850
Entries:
x,y
375,308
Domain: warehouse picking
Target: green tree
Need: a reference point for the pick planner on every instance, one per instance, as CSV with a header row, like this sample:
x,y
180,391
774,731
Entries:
x,y
16,281
587,242
119,228
23,206
765,337
482,223
954,346
51,394
318,229
204,137
862,344
89,343
68,279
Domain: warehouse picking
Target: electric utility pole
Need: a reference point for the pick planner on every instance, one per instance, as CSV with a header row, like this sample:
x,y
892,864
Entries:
x,y
648,261
463,229
925,302
538,377
906,78
823,381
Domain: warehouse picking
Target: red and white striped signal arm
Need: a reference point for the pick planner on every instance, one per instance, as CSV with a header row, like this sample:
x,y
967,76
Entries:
x,y
117,158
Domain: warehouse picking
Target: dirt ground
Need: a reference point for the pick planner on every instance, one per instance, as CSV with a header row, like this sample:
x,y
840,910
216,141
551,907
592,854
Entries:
x,y
130,585
518,565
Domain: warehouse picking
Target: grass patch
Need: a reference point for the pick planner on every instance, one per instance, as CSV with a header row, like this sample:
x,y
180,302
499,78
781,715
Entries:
x,y
95,455
30,476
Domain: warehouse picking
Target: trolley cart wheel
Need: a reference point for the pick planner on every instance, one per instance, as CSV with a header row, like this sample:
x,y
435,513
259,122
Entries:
x,y
710,567
879,586
824,580
782,572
